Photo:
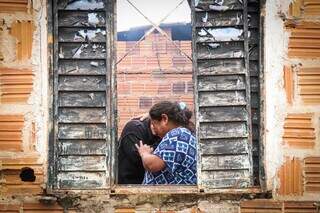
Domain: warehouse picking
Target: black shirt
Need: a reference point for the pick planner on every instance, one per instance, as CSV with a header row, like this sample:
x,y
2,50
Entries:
x,y
130,167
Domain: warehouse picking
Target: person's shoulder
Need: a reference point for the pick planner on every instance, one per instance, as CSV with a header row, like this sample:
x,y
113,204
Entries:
x,y
133,126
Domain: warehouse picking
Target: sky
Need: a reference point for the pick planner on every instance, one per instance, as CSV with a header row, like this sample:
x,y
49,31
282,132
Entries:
x,y
128,17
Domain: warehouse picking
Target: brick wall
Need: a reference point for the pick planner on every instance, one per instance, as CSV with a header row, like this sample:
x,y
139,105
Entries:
x,y
154,71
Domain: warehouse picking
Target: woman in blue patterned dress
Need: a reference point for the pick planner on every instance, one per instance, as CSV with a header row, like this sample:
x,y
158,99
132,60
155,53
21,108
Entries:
x,y
174,161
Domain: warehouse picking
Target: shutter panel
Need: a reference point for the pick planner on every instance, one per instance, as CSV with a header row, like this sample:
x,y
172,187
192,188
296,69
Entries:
x,y
225,39
82,77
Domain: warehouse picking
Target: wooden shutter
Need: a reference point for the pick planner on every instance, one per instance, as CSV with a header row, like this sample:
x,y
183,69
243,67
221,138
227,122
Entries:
x,y
226,53
82,77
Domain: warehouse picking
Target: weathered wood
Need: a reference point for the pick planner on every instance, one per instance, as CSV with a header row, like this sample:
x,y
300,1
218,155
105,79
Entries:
x,y
82,83
226,19
220,67
254,68
253,52
220,114
81,4
82,99
82,163
225,162
225,83
82,35
80,19
226,98
223,130
82,115
82,67
220,50
255,100
82,51
82,147
254,84
81,180
82,131
224,146
216,5
219,34
226,179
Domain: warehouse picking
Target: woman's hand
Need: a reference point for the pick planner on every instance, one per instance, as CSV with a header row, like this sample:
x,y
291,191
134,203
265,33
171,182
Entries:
x,y
150,161
144,149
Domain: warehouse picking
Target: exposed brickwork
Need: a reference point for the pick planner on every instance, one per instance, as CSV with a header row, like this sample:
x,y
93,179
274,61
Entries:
x,y
304,8
304,41
261,206
299,131
309,85
312,174
32,208
290,176
23,31
153,72
11,132
15,85
11,174
271,206
14,5
288,83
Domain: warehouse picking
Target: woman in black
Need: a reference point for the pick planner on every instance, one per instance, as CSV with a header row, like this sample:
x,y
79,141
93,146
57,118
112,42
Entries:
x,y
130,168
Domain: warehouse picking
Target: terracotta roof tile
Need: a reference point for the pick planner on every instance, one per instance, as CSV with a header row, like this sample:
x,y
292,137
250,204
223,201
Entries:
x,y
11,132
290,175
299,131
15,85
304,41
309,85
312,174
288,83
265,206
13,5
23,31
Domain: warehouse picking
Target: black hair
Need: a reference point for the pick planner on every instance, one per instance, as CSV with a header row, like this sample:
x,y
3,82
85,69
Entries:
x,y
176,112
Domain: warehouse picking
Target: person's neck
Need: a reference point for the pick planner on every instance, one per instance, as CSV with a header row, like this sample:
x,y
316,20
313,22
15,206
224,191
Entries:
x,y
172,126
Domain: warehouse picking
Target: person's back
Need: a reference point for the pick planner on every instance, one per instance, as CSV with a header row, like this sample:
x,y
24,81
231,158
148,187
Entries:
x,y
130,168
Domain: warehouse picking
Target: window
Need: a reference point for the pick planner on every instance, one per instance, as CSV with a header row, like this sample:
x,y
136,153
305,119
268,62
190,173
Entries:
x,y
226,62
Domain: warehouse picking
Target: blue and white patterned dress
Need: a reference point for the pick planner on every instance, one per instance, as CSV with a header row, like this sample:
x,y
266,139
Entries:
x,y
178,149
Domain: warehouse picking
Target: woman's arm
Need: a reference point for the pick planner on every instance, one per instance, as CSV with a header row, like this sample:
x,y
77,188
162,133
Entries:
x,y
150,161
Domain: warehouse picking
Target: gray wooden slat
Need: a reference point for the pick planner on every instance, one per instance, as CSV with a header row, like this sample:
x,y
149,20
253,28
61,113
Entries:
x,y
225,98
82,83
227,18
218,5
221,114
226,179
254,84
220,67
82,147
214,83
220,50
81,19
81,180
82,99
225,162
82,67
82,35
223,130
82,51
81,4
82,115
82,163
224,146
82,131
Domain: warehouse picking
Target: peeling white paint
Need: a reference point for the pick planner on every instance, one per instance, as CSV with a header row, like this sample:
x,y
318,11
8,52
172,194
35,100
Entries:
x,y
85,5
93,19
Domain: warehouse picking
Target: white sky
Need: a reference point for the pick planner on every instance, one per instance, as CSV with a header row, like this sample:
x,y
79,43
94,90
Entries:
x,y
155,10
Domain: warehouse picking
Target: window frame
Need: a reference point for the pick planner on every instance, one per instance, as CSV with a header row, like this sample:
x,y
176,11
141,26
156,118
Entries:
x,y
137,189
